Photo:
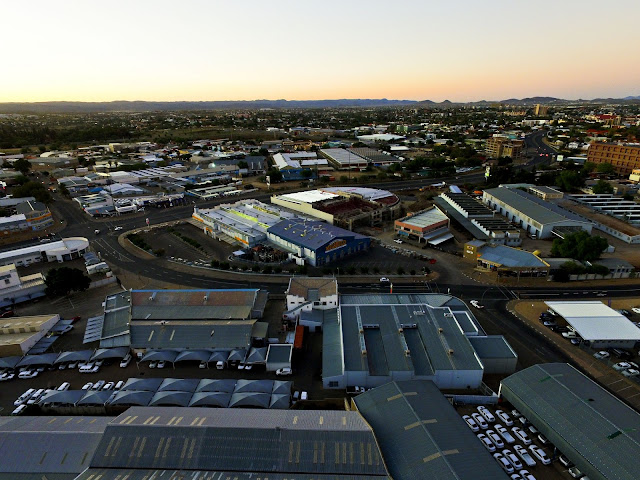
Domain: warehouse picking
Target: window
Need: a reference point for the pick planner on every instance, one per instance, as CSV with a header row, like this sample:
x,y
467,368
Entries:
x,y
6,281
333,384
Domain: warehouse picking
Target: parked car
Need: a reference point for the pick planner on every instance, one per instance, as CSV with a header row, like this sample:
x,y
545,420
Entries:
x,y
203,364
533,430
87,386
108,386
161,364
119,385
526,475
570,334
565,461
304,396
632,372
98,363
124,363
476,304
153,364
504,463
397,240
284,371
28,374
624,366
117,229
539,454
471,423
98,385
7,376
543,440
488,444
486,413
521,435
480,420
575,472
513,459
19,410
549,323
89,369
24,397
35,396
602,354
62,366
495,438
524,455
504,417
63,387
504,433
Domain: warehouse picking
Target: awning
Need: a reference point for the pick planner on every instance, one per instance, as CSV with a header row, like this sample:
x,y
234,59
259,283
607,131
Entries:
x,y
193,355
77,356
93,330
105,353
9,362
166,355
439,240
67,397
45,359
257,355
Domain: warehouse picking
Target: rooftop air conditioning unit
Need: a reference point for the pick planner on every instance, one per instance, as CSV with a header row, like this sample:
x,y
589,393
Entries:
x,y
448,314
440,330
450,351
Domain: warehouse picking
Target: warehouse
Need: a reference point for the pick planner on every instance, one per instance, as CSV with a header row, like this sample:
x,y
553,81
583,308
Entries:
x,y
590,426
427,226
60,251
19,334
316,243
344,159
505,261
244,222
536,216
601,325
373,339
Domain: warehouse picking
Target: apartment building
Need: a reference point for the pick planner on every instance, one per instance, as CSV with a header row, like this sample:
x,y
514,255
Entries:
x,y
498,147
623,157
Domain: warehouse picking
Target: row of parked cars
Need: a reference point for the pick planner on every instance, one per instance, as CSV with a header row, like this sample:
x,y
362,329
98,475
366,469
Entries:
x,y
33,396
502,442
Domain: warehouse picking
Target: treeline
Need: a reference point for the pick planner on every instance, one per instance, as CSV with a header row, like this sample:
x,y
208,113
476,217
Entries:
x,y
18,136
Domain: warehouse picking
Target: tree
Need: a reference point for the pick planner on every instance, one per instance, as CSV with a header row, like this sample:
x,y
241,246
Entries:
x,y
243,164
602,187
569,181
22,165
306,173
64,280
33,189
579,246
605,168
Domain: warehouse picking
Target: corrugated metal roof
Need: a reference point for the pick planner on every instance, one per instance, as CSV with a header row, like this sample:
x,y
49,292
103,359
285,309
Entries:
x,y
332,357
179,384
510,257
192,334
170,398
146,474
242,440
492,346
279,353
143,384
311,234
422,436
594,429
214,385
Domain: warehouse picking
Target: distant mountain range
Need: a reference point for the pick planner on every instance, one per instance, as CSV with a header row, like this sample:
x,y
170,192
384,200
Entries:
x,y
142,106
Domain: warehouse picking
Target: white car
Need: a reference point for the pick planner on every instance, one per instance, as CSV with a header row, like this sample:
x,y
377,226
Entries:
x,y
284,371
20,410
397,240
521,435
385,280
504,463
526,475
524,455
504,417
601,355
495,438
87,386
480,420
471,423
203,364
624,366
119,385
63,387
533,430
515,461
160,364
89,369
117,229
98,385
7,376
540,454
304,395
24,397
124,363
28,374
488,444
108,386
153,364
504,433
632,372
635,310
476,304
486,413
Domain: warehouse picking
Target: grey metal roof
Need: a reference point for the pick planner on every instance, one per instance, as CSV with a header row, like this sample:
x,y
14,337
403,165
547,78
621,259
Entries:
x,y
594,429
143,384
510,257
66,397
146,474
257,355
44,359
331,345
492,346
250,399
539,210
131,397
74,356
106,353
279,400
279,353
48,446
257,386
165,355
242,440
93,328
421,436
179,384
227,385
280,387
93,397
170,398
210,399
311,234
193,355
192,334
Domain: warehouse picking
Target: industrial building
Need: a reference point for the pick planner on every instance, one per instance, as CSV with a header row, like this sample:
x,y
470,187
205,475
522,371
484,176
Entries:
x,y
314,242
505,261
623,157
19,334
17,289
376,157
346,207
545,193
601,325
293,165
590,426
344,159
373,339
60,251
427,226
610,204
536,216
245,222
307,293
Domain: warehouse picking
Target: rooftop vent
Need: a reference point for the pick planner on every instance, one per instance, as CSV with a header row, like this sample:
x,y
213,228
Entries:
x,y
153,296
450,351
440,330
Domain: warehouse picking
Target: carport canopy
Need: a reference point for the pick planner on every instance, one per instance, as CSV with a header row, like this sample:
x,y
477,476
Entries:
x,y
193,355
131,397
250,399
166,355
9,362
279,400
179,385
237,355
257,355
143,384
282,387
226,385
106,353
171,399
44,359
67,397
219,356
210,399
255,386
95,398
77,356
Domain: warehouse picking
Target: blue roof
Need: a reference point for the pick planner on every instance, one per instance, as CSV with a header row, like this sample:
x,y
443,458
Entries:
x,y
510,257
311,234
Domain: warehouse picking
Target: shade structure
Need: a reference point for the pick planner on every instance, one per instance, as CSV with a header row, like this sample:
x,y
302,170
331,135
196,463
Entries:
x,y
78,356
95,398
9,362
257,355
67,397
44,359
237,355
210,399
107,353
179,385
170,399
193,355
281,401
226,385
250,399
219,356
131,397
260,386
143,384
282,387
166,355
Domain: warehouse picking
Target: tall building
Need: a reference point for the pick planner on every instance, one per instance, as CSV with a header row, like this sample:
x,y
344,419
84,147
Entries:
x,y
623,157
498,147
540,110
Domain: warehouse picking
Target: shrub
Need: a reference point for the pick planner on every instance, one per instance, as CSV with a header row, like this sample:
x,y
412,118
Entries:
x,y
400,271
364,270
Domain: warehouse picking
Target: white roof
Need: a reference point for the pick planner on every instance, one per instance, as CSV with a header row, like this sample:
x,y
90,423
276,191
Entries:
x,y
284,160
593,320
64,245
371,194
13,218
308,197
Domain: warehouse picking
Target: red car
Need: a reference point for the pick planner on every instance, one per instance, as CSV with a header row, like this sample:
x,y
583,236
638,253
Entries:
x,y
75,319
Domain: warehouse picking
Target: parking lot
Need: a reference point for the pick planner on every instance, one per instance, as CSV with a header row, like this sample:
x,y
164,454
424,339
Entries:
x,y
508,440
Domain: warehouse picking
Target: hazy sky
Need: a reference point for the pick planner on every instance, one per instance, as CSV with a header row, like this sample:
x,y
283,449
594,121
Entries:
x,y
461,50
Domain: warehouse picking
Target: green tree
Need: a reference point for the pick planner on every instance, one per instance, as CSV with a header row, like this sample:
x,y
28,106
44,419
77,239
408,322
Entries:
x,y
605,168
569,181
64,280
275,175
33,189
588,167
243,164
22,165
602,187
579,246
306,173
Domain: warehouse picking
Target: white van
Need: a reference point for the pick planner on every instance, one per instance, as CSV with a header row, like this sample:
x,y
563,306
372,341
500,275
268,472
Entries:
x,y
126,361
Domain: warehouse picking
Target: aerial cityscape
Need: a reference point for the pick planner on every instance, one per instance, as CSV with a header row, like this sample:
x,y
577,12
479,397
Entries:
x,y
295,241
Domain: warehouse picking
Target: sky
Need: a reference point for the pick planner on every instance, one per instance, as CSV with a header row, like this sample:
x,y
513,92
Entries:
x,y
460,50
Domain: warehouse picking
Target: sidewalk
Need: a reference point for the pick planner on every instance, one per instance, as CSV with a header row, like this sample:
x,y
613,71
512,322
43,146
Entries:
x,y
628,390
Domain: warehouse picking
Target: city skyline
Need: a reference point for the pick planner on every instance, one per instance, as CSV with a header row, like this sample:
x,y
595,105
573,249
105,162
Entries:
x,y
211,51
